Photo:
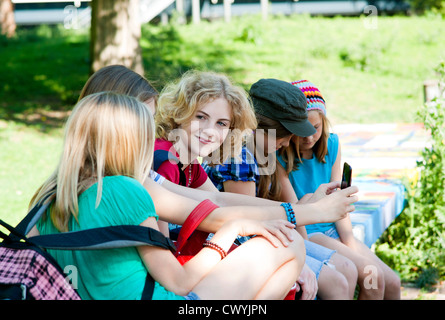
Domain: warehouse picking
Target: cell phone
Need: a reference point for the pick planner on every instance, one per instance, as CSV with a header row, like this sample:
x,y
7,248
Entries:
x,y
346,176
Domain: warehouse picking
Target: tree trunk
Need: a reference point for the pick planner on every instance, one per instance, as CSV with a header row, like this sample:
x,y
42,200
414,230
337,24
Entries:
x,y
7,20
115,34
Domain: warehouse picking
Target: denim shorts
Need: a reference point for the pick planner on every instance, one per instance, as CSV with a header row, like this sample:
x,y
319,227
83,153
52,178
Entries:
x,y
317,256
331,232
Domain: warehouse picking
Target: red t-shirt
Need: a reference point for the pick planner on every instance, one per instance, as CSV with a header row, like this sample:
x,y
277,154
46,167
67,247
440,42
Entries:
x,y
170,171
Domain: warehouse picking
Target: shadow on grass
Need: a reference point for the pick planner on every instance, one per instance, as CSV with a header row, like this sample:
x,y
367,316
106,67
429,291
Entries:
x,y
45,69
41,75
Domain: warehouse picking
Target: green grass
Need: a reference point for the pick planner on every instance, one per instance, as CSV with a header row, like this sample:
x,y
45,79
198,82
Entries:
x,y
366,76
361,72
27,158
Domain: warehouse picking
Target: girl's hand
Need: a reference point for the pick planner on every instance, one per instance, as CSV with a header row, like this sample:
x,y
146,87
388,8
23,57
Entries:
x,y
307,281
336,204
324,190
275,231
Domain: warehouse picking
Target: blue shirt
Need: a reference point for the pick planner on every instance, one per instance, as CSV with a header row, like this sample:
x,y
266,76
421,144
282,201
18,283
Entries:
x,y
310,174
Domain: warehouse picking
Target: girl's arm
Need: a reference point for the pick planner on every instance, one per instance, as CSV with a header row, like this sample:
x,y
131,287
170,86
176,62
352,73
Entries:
x,y
222,199
248,188
288,194
240,187
343,226
207,186
336,171
325,207
165,268
287,191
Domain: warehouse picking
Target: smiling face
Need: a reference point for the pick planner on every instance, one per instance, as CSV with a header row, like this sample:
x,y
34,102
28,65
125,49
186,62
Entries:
x,y
307,143
208,129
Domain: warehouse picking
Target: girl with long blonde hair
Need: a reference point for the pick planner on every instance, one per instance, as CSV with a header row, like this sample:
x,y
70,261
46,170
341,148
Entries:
x,y
107,154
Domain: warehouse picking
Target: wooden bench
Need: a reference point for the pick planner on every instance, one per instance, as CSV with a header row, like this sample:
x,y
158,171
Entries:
x,y
383,157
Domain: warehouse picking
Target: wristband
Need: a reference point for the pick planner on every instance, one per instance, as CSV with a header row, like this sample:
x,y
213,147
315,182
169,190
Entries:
x,y
214,246
290,214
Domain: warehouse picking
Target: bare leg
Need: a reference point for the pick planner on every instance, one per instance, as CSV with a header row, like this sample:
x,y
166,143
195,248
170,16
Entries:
x,y
255,270
337,283
348,269
332,285
392,280
370,276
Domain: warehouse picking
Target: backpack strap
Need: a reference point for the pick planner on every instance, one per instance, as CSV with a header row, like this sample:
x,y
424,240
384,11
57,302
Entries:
x,y
90,239
201,211
104,238
30,220
161,156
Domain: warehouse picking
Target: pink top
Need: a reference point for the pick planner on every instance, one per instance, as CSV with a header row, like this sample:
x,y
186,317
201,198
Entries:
x,y
170,171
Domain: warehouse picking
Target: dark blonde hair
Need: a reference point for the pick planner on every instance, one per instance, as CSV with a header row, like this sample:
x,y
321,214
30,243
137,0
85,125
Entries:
x,y
179,102
291,154
120,79
268,184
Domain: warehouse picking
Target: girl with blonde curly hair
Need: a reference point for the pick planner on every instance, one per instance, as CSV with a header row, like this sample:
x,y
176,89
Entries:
x,y
202,115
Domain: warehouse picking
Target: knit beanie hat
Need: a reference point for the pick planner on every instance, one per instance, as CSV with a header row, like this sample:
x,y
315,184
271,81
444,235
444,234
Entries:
x,y
314,98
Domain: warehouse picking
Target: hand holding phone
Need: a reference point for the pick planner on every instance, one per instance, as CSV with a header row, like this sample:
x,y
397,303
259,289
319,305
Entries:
x,y
346,176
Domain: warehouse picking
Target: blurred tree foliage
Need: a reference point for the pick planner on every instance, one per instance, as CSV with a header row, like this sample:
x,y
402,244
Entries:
x,y
422,6
415,244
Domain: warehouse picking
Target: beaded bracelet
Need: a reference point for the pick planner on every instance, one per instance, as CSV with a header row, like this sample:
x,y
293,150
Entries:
x,y
289,212
214,246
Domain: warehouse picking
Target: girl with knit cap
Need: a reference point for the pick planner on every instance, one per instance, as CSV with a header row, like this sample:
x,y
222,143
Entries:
x,y
313,160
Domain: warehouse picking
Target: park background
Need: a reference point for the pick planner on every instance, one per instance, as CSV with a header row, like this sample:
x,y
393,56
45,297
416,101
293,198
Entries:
x,y
370,69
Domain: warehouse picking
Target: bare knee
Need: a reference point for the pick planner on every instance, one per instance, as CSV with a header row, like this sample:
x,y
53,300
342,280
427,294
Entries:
x,y
392,286
371,281
333,285
346,267
297,247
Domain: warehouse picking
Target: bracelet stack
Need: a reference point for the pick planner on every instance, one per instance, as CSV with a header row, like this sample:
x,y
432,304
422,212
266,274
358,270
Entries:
x,y
289,212
214,246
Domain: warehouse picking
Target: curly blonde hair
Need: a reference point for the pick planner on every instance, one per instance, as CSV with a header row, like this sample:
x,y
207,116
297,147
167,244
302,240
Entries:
x,y
179,102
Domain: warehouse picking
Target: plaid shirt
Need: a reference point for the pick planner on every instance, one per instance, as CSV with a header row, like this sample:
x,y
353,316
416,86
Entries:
x,y
243,169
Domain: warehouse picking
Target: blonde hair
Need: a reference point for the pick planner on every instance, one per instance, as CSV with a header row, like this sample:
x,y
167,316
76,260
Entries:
x,y
291,154
119,79
106,134
179,102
